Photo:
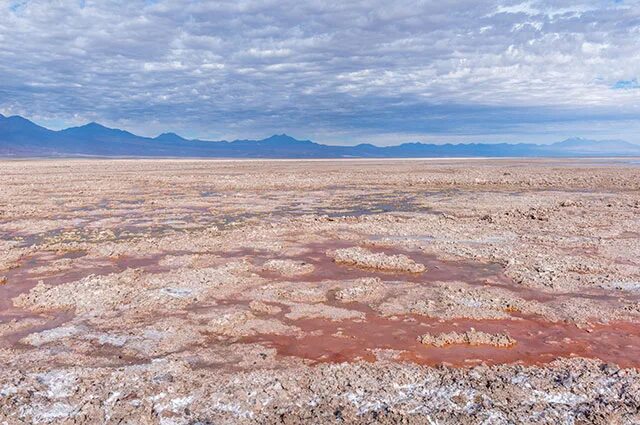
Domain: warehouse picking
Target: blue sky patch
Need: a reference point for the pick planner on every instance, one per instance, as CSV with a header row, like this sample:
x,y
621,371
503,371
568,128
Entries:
x,y
627,84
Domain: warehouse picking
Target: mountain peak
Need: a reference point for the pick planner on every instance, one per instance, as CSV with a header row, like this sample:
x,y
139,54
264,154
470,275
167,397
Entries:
x,y
586,146
170,137
93,124
98,131
280,137
585,141
285,139
90,126
18,118
17,122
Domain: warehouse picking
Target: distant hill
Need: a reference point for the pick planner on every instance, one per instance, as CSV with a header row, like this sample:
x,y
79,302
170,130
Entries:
x,y
578,145
20,137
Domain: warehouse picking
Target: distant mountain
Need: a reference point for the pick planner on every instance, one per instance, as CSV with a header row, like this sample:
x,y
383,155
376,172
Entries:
x,y
170,137
95,131
582,146
20,137
21,130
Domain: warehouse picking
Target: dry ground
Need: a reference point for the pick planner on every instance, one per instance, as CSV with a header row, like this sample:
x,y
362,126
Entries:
x,y
196,292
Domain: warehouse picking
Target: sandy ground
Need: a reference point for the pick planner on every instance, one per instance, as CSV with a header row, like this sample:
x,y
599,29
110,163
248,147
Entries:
x,y
213,292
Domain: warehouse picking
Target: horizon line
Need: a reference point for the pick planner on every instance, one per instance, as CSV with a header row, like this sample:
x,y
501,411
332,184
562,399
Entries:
x,y
284,134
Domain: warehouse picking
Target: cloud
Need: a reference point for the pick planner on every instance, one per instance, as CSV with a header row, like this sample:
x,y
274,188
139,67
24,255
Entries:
x,y
335,71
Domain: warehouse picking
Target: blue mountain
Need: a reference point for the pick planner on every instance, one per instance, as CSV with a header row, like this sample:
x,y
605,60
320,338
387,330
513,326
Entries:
x,y
170,137
95,131
585,146
20,137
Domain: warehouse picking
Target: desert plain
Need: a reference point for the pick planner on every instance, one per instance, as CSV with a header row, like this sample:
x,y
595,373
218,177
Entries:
x,y
378,291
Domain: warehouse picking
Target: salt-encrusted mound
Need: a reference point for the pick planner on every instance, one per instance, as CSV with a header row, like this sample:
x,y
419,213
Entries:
x,y
361,257
470,337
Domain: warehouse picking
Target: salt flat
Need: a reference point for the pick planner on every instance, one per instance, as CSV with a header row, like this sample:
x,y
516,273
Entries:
x,y
200,291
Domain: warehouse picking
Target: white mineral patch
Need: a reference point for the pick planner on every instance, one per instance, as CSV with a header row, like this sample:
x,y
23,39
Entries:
x,y
52,335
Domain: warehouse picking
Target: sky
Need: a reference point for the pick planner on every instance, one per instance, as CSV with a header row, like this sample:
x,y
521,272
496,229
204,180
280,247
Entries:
x,y
339,72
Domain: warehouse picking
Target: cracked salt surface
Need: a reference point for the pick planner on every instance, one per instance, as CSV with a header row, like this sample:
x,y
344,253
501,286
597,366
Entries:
x,y
47,413
569,227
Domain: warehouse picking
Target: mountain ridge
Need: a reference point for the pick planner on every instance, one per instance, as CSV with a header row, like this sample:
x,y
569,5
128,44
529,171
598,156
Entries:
x,y
20,137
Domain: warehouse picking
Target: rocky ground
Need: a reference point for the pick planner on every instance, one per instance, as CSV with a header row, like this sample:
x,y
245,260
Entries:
x,y
197,292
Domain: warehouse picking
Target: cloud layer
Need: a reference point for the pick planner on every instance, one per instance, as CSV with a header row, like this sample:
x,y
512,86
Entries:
x,y
352,71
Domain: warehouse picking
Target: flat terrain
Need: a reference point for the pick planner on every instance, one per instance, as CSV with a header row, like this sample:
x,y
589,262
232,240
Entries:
x,y
198,292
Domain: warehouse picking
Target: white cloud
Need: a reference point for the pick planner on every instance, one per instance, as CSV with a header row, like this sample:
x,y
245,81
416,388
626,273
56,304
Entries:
x,y
238,68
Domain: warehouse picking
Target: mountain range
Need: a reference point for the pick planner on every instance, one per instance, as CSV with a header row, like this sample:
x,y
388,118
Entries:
x,y
20,137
